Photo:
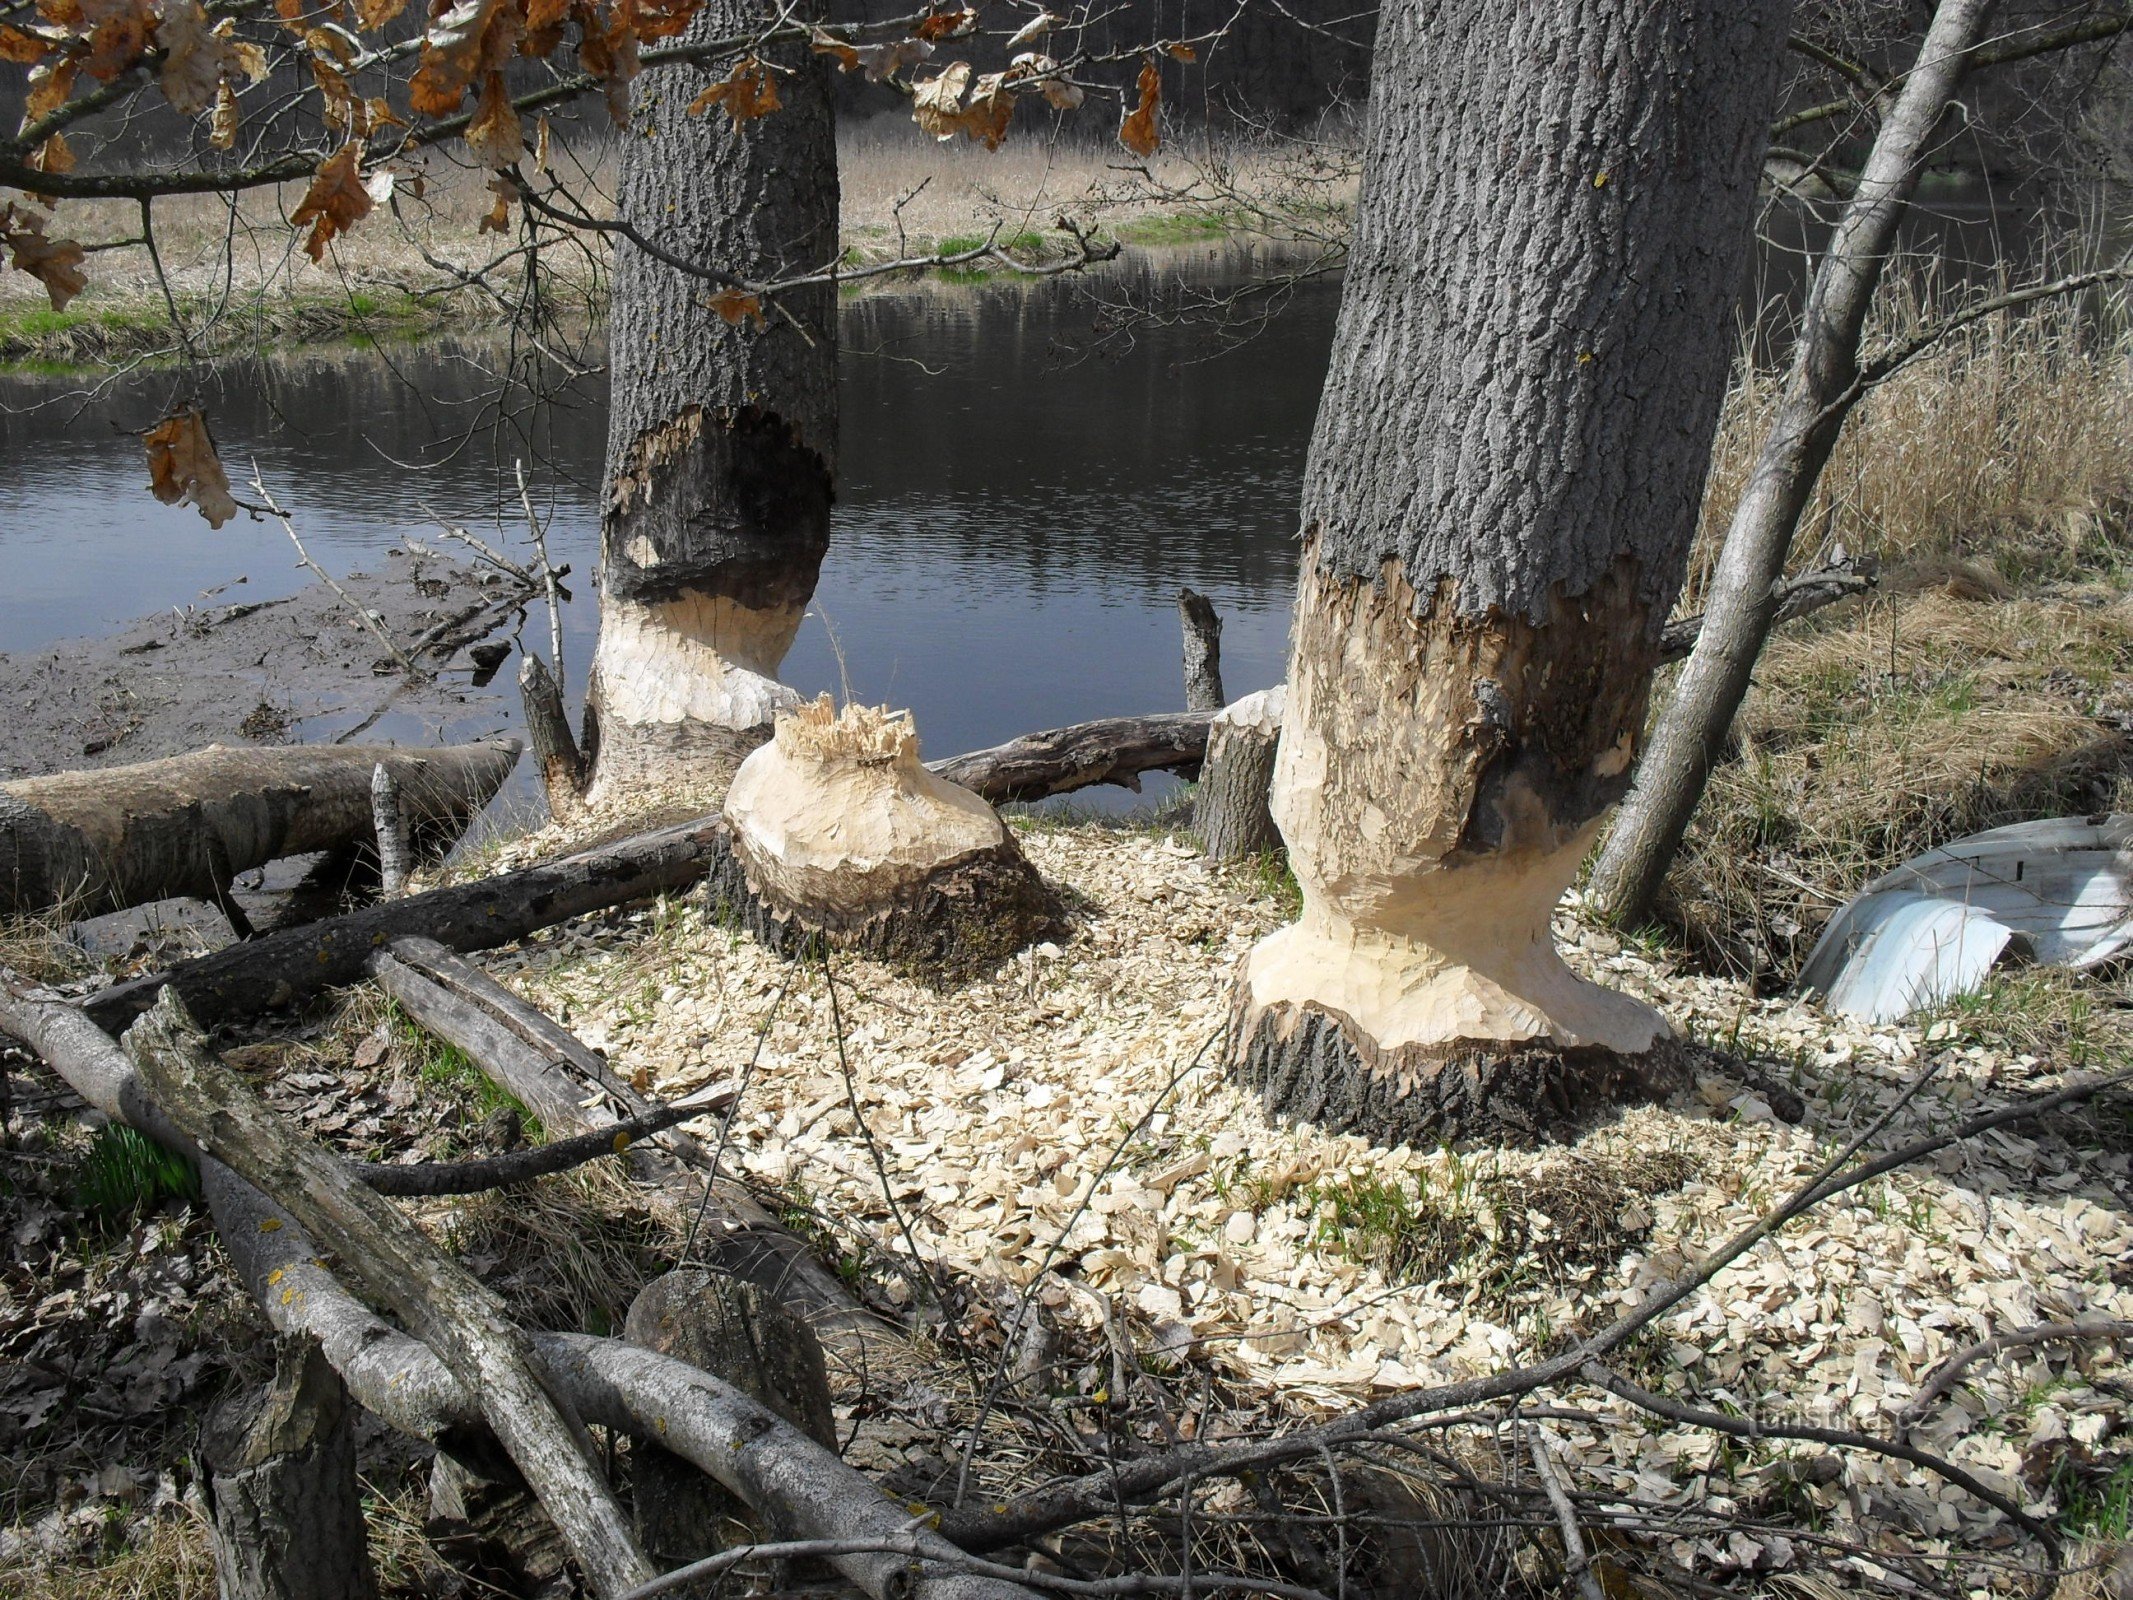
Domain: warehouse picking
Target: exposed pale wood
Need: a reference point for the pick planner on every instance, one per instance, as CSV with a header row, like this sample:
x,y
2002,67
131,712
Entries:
x,y
841,839
1202,626
121,836
1230,812
1107,750
281,1470
770,1464
443,1304
388,818
548,731
288,968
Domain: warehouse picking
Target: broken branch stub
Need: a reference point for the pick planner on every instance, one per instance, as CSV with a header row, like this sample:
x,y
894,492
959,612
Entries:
x,y
1232,811
459,1318
842,839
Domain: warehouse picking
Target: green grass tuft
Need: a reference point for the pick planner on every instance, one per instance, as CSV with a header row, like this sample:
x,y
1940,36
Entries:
x,y
123,1174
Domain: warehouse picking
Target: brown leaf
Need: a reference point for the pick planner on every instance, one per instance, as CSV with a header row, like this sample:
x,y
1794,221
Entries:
x,y
882,62
1138,131
937,104
991,108
55,263
946,24
748,92
648,20
183,466
375,14
499,218
544,27
494,136
54,155
734,304
22,47
472,39
116,44
336,200
1044,72
222,128
1183,51
50,84
338,107
848,57
192,61
379,113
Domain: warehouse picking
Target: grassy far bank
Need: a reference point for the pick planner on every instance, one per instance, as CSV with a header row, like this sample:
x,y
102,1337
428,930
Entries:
x,y
241,283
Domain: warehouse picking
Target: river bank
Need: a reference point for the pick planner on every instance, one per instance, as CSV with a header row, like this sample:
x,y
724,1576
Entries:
x,y
426,266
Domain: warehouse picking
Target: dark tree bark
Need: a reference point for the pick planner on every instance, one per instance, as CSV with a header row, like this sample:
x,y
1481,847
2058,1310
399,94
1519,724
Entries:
x,y
722,441
1202,627
1502,485
1231,812
1748,592
282,1470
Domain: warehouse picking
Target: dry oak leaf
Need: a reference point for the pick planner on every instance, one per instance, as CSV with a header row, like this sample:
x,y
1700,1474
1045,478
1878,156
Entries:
x,y
1138,132
222,126
937,104
22,47
656,19
197,58
499,218
337,200
54,155
946,24
494,135
183,466
55,263
1182,51
882,62
116,43
733,305
991,108
1036,28
375,14
1043,71
748,92
50,83
823,44
467,40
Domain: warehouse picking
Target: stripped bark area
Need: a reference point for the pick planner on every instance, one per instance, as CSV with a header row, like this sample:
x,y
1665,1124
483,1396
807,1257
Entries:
x,y
841,838
1492,545
722,441
122,836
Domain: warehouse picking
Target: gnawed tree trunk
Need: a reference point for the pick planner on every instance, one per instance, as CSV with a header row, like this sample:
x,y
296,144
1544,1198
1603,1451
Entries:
x,y
122,836
1748,591
840,836
1201,625
281,1468
1231,812
395,843
722,438
1503,481
548,731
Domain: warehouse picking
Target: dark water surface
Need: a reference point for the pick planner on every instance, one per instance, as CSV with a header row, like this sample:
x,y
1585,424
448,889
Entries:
x,y
1012,527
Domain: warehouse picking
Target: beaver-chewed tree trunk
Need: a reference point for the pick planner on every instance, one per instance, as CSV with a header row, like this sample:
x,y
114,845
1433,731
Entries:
x,y
1501,489
722,436
841,838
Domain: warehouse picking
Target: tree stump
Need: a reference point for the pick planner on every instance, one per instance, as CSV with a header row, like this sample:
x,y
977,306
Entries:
x,y
841,838
548,732
1202,626
725,1326
1231,812
282,1475
487,1524
388,818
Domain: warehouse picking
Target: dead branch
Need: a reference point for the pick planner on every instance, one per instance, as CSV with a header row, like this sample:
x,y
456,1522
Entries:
x,y
447,1308
1949,1372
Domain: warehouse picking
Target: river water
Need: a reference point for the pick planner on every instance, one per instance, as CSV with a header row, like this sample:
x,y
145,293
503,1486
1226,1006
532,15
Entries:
x,y
1015,516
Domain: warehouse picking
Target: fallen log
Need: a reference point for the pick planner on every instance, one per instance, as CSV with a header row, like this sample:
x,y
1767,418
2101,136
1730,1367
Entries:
x,y
122,836
549,1070
770,1464
288,968
451,1311
1108,750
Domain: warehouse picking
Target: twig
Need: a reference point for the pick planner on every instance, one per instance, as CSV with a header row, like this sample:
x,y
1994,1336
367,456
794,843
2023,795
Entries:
x,y
1945,1375
1576,1563
548,575
266,499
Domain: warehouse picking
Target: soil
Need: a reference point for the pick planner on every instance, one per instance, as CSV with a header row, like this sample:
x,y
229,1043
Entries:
x,y
304,669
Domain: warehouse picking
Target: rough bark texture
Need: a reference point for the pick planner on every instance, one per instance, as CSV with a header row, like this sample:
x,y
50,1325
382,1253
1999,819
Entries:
x,y
285,969
282,1474
1202,627
841,839
1059,760
122,836
548,732
1231,811
1503,481
1748,593
388,821
729,1328
722,440
443,1304
769,1463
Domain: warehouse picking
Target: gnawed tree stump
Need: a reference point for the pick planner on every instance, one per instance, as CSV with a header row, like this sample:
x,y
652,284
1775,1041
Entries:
x,y
488,1525
105,840
1231,812
729,1328
842,839
388,820
282,1474
1202,627
548,730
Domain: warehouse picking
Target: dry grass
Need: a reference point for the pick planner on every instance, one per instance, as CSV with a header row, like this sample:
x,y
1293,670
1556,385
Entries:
x,y
1990,682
